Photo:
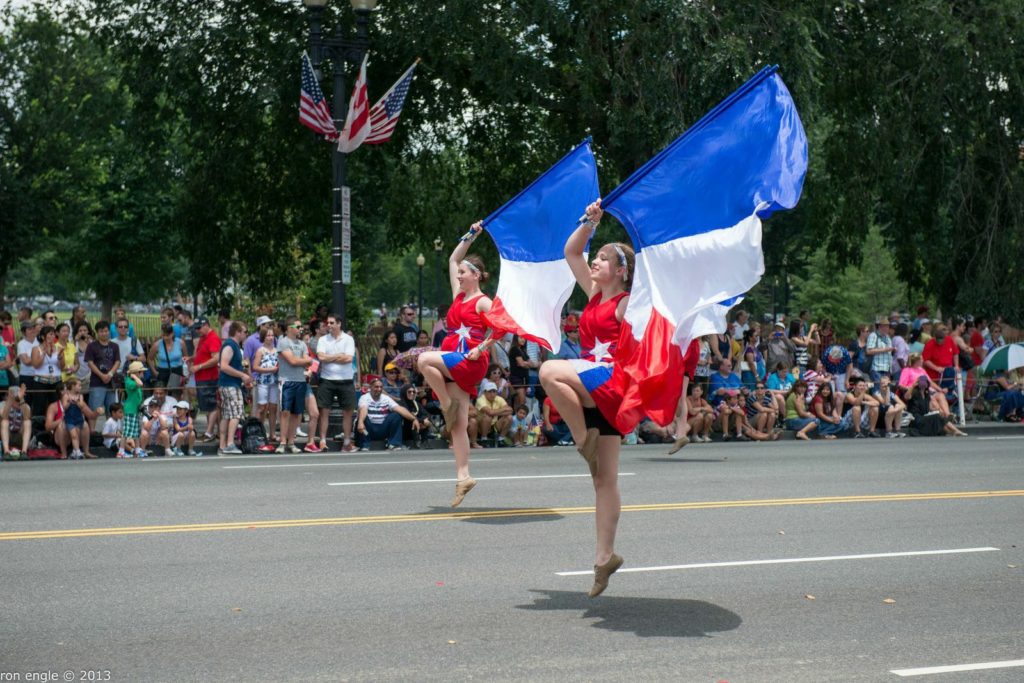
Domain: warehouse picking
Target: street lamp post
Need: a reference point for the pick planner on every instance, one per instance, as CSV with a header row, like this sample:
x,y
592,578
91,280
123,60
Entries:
x,y
438,246
338,50
420,261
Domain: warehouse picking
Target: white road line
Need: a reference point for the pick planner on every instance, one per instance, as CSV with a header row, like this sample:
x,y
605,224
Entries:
x,y
789,560
350,464
435,481
924,671
998,438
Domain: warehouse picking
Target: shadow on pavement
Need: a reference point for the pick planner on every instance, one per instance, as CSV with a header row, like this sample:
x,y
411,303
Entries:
x,y
501,515
679,459
646,617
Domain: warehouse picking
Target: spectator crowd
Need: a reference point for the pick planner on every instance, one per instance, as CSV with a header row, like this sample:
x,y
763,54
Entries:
x,y
74,389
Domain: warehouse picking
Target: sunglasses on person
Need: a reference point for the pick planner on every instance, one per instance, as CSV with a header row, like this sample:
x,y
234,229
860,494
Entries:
x,y
295,327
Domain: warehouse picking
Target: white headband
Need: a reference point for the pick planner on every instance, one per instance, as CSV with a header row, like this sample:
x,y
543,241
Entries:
x,y
471,266
622,261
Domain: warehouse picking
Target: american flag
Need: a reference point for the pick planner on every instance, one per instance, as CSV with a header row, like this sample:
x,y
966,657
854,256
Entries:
x,y
384,115
313,111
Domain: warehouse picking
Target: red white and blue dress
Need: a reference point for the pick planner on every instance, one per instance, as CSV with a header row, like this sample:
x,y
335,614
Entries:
x,y
466,329
599,337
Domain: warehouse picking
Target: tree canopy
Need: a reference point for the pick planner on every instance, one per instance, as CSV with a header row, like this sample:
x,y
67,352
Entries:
x,y
161,137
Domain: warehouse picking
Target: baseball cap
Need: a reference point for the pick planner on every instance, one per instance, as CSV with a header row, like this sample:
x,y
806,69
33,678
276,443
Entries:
x,y
263,320
390,366
200,321
571,323
488,385
183,404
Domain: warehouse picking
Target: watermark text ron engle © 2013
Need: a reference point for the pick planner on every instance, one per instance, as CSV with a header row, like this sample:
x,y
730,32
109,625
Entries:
x,y
47,676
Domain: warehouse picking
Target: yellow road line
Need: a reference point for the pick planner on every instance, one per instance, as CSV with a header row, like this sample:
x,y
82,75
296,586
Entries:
x,y
519,512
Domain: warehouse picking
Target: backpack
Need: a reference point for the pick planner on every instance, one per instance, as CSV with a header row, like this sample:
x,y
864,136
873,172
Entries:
x,y
253,436
778,351
43,453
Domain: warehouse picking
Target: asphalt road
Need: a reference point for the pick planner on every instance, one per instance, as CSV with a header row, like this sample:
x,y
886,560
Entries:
x,y
354,567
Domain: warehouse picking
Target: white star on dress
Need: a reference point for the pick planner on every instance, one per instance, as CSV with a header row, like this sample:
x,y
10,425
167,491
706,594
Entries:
x,y
600,350
463,334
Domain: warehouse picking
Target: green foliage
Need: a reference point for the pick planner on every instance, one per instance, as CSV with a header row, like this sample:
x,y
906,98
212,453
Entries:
x,y
911,109
853,294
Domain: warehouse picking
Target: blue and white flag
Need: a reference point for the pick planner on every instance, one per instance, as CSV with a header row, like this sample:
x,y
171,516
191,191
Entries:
x,y
530,231
694,215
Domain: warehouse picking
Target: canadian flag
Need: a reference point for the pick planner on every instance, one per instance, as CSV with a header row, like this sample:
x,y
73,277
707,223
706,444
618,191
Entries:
x,y
357,123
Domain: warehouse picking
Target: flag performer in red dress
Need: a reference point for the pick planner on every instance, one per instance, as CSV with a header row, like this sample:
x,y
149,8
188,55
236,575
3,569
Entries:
x,y
581,389
455,372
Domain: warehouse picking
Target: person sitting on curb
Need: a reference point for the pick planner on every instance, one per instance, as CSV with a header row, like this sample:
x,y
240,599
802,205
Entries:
x,y
380,417
798,417
15,420
183,432
702,416
860,411
113,435
494,413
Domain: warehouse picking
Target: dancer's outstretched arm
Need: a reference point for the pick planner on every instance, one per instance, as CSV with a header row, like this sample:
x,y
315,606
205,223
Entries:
x,y
577,243
459,253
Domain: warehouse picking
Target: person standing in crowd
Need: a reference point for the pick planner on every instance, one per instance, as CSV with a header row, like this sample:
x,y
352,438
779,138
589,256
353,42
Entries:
x,y
127,345
741,326
104,360
941,358
455,372
46,362
582,390
570,347
519,370
26,370
223,322
440,328
880,350
267,393
252,342
388,351
204,367
166,358
119,313
7,331
922,317
901,350
230,380
68,356
801,341
752,368
335,351
293,359
405,328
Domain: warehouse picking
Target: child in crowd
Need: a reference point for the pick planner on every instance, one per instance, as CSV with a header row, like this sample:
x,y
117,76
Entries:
x,y
15,420
153,428
132,426
182,430
520,428
112,430
76,412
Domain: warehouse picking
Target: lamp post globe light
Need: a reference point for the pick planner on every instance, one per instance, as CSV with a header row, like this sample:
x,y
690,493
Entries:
x,y
420,262
339,50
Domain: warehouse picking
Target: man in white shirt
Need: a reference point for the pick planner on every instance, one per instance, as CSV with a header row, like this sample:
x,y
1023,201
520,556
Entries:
x,y
380,417
335,351
742,325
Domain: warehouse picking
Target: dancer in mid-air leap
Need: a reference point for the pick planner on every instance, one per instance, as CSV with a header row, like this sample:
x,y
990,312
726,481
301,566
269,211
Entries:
x,y
581,389
456,371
